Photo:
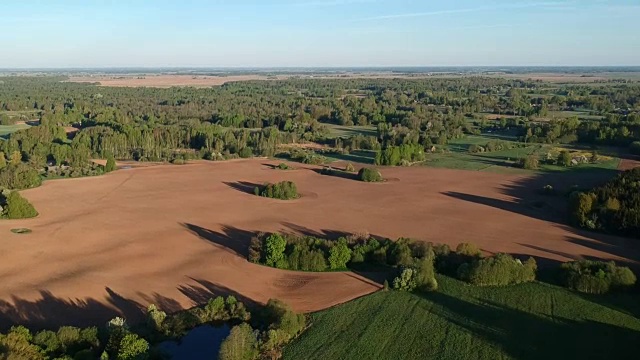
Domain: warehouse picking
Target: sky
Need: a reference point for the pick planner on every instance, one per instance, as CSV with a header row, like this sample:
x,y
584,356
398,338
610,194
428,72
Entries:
x,y
317,33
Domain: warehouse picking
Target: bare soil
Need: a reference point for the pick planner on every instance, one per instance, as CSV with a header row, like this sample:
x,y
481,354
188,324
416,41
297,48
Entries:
x,y
177,235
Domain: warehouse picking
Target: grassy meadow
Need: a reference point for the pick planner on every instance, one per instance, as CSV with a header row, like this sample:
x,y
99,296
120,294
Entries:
x,y
460,321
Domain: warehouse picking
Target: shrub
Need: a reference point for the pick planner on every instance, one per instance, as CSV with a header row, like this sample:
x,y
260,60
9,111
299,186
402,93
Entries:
x,y
155,317
369,175
283,166
498,270
468,249
111,163
284,190
16,207
530,162
349,168
596,277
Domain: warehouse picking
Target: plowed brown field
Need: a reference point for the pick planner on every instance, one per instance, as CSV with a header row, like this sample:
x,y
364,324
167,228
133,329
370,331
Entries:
x,y
174,235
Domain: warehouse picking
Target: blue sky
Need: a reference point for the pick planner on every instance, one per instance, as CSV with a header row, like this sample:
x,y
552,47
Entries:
x,y
284,33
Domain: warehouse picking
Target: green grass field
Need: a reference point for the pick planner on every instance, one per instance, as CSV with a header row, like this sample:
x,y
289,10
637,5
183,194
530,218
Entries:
x,y
345,131
459,321
8,129
458,157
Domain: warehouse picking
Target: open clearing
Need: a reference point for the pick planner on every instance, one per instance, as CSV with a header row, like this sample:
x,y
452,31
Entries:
x,y
172,235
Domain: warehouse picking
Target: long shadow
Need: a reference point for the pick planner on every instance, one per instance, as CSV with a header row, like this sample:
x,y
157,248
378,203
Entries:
x,y
231,238
529,200
50,311
336,173
523,335
206,290
243,186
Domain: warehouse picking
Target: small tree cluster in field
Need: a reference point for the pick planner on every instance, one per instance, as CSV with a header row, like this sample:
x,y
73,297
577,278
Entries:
x,y
498,270
14,206
400,155
307,156
369,175
284,190
596,277
309,253
283,166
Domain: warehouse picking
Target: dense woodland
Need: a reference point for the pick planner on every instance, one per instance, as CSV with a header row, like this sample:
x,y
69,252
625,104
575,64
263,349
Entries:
x,y
253,118
613,207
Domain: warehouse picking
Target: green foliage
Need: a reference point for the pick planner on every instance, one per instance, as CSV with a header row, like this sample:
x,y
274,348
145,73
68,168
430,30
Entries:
x,y
3,161
612,207
634,148
596,277
530,162
369,175
155,317
133,347
348,168
339,255
498,270
14,206
284,190
564,158
468,249
283,166
111,164
241,344
275,245
18,177
406,281
529,321
400,155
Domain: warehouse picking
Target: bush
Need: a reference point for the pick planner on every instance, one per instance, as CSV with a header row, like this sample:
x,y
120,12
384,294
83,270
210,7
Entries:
x,y
406,281
14,206
349,168
369,175
284,190
283,166
274,245
468,249
133,347
111,163
530,162
596,277
498,270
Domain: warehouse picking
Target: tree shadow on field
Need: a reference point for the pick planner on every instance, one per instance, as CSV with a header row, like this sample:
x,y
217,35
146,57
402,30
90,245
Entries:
x,y
230,238
50,311
334,172
206,290
243,186
523,335
528,199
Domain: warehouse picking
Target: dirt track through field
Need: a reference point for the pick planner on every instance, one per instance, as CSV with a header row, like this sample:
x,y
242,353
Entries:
x,y
176,235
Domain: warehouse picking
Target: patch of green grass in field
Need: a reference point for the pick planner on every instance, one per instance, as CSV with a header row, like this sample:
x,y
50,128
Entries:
x,y
8,129
459,321
346,131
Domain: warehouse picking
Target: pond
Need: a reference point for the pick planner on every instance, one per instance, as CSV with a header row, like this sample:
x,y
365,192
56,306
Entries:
x,y
202,342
